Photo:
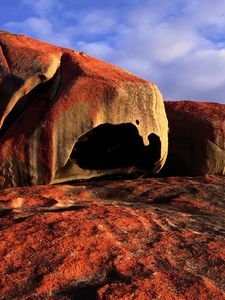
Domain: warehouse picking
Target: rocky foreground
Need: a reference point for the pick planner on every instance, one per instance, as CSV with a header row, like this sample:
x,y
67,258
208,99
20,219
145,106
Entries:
x,y
155,238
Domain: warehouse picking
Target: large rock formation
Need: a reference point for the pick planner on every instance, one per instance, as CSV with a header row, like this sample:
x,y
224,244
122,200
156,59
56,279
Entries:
x,y
196,138
65,115
120,240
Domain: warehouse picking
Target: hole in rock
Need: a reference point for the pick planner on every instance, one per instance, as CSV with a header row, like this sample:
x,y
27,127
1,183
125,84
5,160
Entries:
x,y
110,146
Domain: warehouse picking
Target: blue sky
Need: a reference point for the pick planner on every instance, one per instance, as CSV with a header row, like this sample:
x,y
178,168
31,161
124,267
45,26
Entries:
x,y
178,44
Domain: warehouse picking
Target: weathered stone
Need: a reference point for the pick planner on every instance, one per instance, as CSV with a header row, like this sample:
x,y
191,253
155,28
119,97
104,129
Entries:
x,y
52,100
139,239
196,138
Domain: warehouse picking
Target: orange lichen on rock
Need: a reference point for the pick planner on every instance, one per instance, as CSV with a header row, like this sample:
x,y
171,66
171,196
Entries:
x,y
196,138
133,239
51,96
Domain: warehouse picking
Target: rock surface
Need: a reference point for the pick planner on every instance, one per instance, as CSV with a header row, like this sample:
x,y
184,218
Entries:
x,y
51,96
196,138
134,239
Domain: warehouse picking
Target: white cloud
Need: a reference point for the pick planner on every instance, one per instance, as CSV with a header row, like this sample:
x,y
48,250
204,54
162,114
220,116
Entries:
x,y
42,7
207,67
200,76
138,65
177,44
97,21
163,43
39,28
206,12
100,49
176,50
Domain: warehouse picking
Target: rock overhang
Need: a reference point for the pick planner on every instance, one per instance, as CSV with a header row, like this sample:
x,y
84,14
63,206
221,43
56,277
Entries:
x,y
68,93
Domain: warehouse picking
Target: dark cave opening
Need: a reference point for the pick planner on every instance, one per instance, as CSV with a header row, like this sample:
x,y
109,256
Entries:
x,y
110,146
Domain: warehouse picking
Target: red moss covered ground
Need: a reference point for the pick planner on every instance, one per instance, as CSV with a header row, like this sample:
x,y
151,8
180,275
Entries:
x,y
133,239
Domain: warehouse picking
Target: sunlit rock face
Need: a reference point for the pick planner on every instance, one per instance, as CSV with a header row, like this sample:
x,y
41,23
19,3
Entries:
x,y
196,138
154,238
65,115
